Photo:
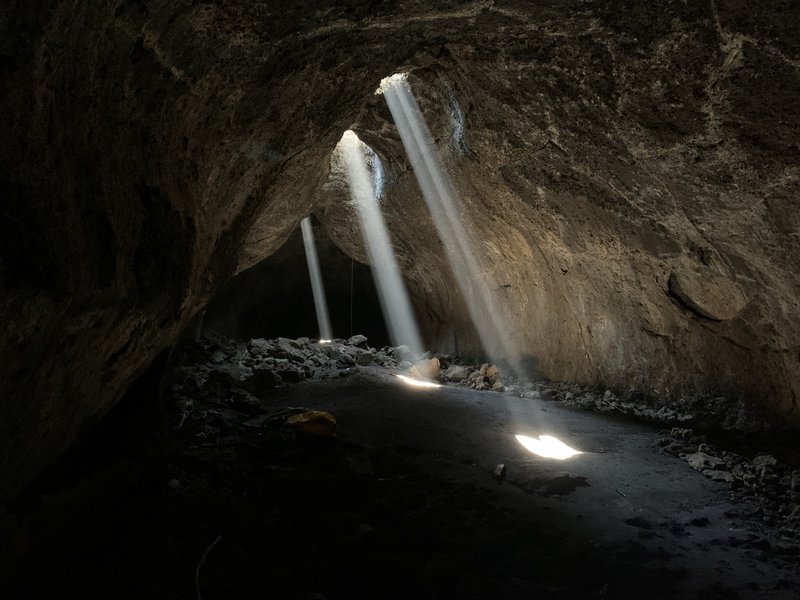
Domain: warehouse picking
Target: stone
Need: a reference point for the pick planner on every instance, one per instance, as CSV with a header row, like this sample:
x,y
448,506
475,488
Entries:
x,y
456,373
364,357
289,349
425,369
259,347
344,361
358,340
718,475
701,461
766,460
498,386
681,433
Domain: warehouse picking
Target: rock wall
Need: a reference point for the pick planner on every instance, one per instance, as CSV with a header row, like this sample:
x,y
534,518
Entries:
x,y
630,169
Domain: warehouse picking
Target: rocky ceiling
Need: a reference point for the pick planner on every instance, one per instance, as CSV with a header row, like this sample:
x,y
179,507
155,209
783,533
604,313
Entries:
x,y
631,169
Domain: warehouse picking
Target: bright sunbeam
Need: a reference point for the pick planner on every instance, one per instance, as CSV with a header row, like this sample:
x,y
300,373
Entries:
x,y
325,341
420,383
391,289
547,446
472,276
314,272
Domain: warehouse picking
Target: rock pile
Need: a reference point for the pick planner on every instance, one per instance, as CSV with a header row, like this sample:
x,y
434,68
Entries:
x,y
768,487
227,375
484,377
698,412
262,363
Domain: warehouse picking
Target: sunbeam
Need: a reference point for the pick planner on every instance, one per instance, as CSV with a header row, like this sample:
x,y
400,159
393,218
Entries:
x,y
391,289
320,304
446,210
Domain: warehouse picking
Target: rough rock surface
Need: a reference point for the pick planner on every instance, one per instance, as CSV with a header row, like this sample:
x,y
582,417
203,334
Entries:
x,y
150,151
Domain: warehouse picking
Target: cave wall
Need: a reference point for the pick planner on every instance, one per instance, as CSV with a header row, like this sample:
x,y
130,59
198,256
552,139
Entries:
x,y
631,170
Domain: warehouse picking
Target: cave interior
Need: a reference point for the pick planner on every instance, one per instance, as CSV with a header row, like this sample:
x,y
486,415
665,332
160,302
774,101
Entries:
x,y
585,243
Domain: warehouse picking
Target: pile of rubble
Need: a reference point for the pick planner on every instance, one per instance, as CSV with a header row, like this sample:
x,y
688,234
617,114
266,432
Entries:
x,y
221,376
767,486
699,412
261,363
485,377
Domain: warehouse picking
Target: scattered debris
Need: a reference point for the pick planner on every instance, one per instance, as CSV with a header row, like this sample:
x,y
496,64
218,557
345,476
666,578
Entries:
x,y
764,485
500,473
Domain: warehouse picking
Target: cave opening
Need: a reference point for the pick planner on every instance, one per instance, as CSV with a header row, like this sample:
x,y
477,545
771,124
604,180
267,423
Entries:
x,y
275,297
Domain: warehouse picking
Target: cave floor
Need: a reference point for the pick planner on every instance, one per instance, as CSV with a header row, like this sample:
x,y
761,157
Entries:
x,y
402,503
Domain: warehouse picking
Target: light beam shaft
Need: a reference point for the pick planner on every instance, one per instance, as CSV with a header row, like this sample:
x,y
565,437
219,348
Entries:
x,y
315,274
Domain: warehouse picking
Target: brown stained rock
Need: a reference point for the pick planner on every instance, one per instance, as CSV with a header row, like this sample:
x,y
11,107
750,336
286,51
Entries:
x,y
426,369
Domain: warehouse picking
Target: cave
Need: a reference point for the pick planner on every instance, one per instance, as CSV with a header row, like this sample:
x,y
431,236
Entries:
x,y
590,214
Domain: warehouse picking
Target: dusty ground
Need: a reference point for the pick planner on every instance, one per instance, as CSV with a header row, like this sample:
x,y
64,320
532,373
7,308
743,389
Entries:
x,y
401,503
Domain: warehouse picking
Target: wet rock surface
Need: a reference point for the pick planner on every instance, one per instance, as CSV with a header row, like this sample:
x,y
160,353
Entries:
x,y
395,494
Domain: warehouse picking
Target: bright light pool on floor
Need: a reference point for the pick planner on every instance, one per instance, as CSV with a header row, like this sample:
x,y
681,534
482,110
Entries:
x,y
547,446
325,341
420,383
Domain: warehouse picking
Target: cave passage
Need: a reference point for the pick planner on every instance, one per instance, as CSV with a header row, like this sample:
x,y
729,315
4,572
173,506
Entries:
x,y
317,287
449,217
274,298
392,292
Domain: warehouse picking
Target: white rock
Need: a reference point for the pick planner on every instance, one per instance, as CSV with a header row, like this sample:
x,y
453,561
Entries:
x,y
700,461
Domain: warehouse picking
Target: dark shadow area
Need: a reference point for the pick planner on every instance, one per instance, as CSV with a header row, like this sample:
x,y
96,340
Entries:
x,y
104,441
274,297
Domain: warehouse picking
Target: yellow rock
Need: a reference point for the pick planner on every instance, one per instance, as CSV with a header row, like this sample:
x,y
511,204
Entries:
x,y
314,422
425,369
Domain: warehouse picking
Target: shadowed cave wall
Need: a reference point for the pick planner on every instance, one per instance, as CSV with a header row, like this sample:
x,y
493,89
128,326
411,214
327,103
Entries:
x,y
631,173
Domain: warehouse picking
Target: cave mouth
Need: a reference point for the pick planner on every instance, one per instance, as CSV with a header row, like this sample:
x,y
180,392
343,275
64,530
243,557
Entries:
x,y
275,298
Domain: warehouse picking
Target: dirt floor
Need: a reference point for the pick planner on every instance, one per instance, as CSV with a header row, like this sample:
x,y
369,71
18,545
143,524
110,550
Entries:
x,y
401,503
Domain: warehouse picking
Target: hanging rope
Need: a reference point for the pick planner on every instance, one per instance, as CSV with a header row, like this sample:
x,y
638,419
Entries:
x,y
351,296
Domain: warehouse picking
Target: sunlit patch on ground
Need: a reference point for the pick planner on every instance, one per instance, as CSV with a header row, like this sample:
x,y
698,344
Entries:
x,y
547,446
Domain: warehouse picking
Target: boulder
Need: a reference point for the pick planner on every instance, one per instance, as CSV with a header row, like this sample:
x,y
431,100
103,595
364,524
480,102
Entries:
x,y
456,373
364,357
358,340
426,369
700,461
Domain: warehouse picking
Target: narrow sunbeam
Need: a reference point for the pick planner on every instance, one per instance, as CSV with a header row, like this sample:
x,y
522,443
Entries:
x,y
314,272
472,276
420,383
391,289
547,446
